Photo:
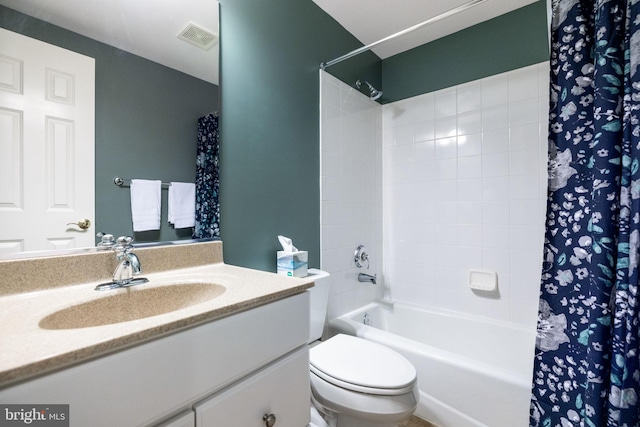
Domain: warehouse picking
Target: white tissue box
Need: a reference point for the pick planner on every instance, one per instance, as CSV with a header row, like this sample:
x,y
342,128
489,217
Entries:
x,y
293,264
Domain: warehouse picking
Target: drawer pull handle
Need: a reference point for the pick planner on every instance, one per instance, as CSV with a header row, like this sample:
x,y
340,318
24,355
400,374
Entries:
x,y
269,420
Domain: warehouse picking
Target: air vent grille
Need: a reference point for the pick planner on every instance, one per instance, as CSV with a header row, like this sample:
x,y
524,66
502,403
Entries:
x,y
198,36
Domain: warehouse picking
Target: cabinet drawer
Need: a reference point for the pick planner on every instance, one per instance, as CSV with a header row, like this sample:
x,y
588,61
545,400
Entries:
x,y
281,389
186,419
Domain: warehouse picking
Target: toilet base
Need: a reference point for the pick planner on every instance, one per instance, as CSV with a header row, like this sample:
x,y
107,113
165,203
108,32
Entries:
x,y
344,420
342,408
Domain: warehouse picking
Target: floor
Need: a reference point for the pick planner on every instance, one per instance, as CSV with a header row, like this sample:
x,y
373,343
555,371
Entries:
x,y
418,422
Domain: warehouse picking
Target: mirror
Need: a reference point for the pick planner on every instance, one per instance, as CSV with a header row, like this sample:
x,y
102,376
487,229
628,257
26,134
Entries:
x,y
149,92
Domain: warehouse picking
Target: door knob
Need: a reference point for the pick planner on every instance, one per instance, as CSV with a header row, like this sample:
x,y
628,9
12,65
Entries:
x,y
269,420
83,224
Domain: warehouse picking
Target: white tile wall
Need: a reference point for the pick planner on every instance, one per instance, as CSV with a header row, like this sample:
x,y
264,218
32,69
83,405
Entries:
x,y
464,187
440,183
351,196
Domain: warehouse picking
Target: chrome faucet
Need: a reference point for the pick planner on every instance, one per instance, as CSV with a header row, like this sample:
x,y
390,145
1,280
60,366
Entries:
x,y
106,241
128,267
129,261
363,277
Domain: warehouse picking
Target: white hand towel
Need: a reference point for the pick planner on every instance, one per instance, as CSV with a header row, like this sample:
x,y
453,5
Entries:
x,y
145,204
182,204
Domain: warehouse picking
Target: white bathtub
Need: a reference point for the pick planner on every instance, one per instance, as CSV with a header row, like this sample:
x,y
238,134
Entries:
x,y
472,372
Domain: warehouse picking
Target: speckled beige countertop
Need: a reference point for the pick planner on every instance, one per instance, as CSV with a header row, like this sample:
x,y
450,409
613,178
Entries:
x,y
28,296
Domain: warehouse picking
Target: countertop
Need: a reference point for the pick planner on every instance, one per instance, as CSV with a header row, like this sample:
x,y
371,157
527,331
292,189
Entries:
x,y
28,350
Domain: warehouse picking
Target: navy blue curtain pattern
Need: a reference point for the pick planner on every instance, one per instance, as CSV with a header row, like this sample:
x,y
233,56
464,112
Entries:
x,y
207,179
586,369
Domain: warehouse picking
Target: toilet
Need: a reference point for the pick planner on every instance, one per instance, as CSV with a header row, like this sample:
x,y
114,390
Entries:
x,y
355,382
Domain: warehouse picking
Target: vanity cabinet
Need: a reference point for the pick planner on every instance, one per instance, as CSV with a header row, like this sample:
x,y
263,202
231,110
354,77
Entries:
x,y
231,371
272,392
185,419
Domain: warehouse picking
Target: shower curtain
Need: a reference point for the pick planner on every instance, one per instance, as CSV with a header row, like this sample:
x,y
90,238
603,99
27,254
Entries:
x,y
586,369
207,179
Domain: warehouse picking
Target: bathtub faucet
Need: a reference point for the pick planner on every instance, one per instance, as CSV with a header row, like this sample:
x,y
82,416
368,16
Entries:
x,y
362,277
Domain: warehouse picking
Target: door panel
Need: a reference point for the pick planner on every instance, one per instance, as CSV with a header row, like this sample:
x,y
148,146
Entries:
x,y
47,145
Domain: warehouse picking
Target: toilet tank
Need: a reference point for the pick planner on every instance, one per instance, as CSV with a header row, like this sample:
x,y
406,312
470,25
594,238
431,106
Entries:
x,y
319,298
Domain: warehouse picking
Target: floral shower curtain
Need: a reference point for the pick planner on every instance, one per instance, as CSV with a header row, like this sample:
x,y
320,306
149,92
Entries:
x,y
207,179
587,369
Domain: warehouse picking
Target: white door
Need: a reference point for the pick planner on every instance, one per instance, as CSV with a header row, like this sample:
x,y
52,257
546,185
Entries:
x,y
47,108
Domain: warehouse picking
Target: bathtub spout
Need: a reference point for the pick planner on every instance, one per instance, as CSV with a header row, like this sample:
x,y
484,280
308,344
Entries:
x,y
362,277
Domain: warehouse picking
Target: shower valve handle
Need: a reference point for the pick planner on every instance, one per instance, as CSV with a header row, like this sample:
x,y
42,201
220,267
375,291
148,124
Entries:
x,y
360,257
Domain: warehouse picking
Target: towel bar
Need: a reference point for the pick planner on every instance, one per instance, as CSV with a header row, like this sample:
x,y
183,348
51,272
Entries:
x,y
120,182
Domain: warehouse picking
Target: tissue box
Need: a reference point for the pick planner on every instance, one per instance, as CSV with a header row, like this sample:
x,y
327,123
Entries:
x,y
293,264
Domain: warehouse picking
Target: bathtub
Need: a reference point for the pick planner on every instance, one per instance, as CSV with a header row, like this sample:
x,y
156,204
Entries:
x,y
472,372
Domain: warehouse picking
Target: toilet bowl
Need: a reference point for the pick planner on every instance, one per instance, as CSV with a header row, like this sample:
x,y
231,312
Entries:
x,y
361,383
355,382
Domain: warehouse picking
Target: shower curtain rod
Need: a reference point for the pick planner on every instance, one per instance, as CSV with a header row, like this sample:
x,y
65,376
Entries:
x,y
446,14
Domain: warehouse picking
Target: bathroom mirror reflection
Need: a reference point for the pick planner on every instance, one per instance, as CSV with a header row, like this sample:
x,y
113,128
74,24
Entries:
x,y
150,89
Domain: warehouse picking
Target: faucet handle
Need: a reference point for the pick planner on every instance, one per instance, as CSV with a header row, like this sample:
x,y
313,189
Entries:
x,y
360,257
123,246
106,241
124,241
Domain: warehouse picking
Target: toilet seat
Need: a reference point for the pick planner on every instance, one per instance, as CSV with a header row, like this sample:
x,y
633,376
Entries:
x,y
363,366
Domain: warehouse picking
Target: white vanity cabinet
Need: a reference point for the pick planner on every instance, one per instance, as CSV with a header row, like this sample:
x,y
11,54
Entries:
x,y
272,392
231,371
185,419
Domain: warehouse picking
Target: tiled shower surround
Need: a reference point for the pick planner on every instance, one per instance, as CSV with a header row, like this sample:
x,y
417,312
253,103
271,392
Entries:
x,y
351,192
455,181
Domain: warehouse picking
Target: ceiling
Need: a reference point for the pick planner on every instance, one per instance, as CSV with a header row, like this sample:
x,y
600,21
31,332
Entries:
x,y
149,28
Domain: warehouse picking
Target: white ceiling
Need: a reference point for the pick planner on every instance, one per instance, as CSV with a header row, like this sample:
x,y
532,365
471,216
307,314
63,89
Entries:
x,y
373,20
148,28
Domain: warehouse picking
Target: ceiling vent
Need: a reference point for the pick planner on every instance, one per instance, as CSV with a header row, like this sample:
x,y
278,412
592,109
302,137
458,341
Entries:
x,y
198,36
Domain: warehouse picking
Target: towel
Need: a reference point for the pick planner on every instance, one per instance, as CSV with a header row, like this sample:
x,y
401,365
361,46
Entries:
x,y
145,204
182,204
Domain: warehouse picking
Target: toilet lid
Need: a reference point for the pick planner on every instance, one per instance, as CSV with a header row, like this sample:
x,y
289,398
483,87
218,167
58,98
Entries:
x,y
362,365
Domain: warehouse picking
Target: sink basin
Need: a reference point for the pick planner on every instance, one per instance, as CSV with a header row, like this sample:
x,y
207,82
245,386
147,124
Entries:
x,y
132,304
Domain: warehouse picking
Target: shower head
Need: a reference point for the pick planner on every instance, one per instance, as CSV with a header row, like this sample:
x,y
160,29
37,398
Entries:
x,y
374,93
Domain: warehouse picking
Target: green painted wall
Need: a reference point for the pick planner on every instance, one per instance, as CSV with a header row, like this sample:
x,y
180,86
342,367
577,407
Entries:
x,y
505,43
146,118
269,150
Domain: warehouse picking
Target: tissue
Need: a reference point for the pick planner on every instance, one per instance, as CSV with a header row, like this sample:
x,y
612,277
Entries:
x,y
291,261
